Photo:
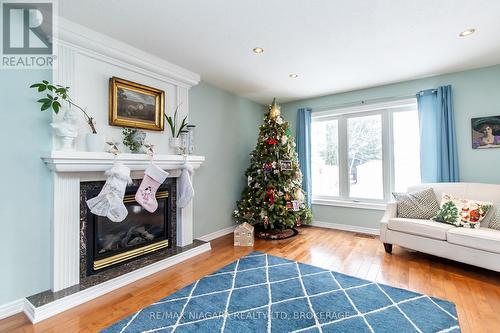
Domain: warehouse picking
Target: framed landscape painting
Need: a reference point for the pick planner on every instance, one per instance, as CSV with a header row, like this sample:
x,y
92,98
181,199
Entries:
x,y
135,105
485,132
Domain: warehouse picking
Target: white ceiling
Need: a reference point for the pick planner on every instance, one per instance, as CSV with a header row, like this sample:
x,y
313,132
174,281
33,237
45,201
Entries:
x,y
333,45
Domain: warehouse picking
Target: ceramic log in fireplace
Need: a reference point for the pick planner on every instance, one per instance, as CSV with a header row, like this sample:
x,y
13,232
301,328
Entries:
x,y
109,244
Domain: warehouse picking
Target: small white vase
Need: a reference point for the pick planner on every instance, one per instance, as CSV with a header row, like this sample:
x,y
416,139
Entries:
x,y
95,142
175,143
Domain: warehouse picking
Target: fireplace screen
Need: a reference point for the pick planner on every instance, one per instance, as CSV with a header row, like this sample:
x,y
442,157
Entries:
x,y
110,243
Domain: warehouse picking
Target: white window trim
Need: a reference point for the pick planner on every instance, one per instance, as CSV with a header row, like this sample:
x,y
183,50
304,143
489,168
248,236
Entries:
x,y
386,110
329,201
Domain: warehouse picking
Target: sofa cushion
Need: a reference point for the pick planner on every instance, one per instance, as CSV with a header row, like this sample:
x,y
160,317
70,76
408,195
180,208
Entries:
x,y
462,212
494,222
485,239
424,228
417,205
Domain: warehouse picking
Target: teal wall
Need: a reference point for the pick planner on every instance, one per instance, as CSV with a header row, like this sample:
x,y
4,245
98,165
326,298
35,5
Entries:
x,y
476,93
25,195
226,132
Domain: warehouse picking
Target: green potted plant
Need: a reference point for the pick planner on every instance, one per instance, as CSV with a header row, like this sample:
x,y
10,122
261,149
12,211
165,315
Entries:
x,y
133,139
67,129
175,141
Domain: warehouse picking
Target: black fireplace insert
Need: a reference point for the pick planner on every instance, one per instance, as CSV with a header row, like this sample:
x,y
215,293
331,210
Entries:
x,y
109,244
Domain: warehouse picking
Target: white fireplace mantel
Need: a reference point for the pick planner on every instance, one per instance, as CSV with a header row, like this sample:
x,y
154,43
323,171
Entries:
x,y
70,168
82,161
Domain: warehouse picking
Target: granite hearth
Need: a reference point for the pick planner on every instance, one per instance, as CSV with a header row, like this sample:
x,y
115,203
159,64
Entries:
x,y
48,296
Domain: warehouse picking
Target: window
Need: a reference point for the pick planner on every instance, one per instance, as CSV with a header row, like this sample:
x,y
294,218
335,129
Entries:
x,y
362,154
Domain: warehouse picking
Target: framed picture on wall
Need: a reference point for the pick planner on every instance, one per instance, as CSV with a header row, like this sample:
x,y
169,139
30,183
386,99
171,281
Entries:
x,y
135,105
485,132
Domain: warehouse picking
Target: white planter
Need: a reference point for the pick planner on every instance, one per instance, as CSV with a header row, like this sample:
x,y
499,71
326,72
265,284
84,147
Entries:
x,y
95,142
175,142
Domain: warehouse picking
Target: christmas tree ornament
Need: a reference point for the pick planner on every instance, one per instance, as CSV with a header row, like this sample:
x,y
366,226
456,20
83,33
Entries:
x,y
154,176
284,139
270,195
109,202
271,141
274,110
299,195
279,120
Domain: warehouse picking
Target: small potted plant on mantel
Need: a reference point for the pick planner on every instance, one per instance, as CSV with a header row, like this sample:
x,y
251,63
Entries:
x,y
66,129
175,140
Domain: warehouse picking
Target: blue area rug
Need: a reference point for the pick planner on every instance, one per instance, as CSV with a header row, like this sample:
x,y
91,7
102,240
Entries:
x,y
264,293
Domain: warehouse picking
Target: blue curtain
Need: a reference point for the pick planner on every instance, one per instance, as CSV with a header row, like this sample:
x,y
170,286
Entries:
x,y
303,140
438,153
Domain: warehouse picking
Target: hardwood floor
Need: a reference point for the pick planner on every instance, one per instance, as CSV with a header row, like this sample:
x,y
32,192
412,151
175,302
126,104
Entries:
x,y
475,291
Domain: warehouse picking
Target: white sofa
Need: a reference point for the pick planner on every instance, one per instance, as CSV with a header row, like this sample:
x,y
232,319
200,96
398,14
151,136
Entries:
x,y
479,247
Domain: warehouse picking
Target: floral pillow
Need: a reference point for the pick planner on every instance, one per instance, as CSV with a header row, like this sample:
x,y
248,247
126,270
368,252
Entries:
x,y
462,212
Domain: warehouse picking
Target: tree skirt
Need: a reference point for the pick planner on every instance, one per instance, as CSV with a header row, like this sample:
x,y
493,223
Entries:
x,y
264,293
275,233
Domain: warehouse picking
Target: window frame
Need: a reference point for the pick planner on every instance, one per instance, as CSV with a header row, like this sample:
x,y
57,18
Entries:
x,y
386,111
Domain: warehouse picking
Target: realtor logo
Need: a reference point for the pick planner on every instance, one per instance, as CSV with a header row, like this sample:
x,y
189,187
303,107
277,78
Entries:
x,y
27,34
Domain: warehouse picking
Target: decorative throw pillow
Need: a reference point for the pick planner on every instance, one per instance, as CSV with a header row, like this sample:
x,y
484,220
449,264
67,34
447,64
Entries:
x,y
495,220
462,212
417,205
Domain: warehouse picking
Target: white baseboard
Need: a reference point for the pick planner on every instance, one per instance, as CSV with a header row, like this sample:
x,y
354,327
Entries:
x,y
346,227
11,308
36,314
217,234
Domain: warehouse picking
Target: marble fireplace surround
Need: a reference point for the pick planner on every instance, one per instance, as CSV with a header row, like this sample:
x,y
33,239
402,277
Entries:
x,y
69,169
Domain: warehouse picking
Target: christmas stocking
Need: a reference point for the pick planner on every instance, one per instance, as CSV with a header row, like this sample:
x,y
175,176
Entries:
x,y
109,202
146,194
186,191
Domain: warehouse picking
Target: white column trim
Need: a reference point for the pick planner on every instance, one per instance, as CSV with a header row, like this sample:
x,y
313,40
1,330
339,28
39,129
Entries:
x,y
66,231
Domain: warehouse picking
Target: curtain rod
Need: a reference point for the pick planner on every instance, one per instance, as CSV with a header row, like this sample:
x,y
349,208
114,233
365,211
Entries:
x,y
362,102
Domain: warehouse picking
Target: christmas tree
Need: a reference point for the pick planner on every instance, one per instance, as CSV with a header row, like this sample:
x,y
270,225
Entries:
x,y
273,197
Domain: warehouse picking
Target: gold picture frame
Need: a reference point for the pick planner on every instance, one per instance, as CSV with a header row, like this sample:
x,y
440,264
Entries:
x,y
135,105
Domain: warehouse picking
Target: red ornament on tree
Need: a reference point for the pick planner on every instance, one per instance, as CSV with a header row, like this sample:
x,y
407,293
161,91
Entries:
x,y
272,141
270,196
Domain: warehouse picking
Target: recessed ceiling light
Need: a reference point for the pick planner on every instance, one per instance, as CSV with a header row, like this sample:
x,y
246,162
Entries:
x,y
467,32
258,50
293,76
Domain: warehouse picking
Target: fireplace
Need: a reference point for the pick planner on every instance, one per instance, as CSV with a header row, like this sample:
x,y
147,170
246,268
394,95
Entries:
x,y
106,245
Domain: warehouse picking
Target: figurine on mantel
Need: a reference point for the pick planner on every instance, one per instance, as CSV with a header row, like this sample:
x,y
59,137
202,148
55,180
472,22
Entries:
x,y
66,129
